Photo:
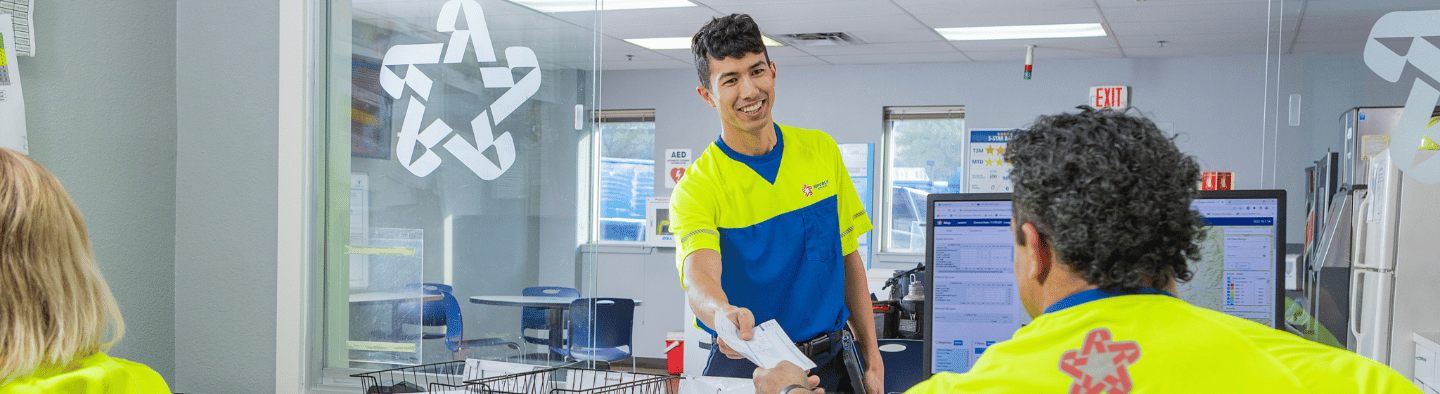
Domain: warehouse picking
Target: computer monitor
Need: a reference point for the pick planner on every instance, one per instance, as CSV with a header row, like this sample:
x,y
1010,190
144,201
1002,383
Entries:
x,y
971,298
973,302
1241,269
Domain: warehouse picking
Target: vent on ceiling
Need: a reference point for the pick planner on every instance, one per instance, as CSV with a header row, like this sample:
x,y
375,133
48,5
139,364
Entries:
x,y
820,39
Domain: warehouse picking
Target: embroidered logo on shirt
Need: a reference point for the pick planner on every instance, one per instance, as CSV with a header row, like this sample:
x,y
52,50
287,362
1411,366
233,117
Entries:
x,y
809,191
1100,365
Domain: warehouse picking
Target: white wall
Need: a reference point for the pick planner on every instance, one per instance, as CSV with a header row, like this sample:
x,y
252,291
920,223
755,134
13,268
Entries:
x,y
100,112
225,196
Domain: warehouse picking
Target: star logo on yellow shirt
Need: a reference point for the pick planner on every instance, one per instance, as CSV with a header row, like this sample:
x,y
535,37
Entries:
x,y
1100,365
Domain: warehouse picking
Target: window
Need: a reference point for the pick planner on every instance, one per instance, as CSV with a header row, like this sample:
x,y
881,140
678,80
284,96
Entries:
x,y
924,151
626,172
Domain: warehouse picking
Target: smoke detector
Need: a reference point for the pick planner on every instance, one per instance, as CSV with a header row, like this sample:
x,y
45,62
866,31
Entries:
x,y
820,39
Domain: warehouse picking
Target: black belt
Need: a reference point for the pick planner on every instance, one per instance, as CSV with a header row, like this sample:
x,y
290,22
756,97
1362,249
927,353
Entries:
x,y
819,344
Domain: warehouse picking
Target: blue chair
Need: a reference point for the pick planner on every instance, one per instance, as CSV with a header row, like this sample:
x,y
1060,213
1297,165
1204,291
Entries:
x,y
600,329
539,318
903,363
443,312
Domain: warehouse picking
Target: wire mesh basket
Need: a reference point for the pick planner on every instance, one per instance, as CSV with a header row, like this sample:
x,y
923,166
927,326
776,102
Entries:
x,y
444,377
412,379
573,381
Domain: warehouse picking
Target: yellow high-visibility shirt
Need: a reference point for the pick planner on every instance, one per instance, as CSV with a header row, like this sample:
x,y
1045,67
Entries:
x,y
96,374
782,222
1161,344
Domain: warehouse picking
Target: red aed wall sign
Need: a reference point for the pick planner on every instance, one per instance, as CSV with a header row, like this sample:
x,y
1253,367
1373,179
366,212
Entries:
x,y
1117,97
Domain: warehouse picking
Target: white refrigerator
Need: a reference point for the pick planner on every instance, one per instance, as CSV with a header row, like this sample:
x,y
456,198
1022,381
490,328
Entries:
x,y
1395,279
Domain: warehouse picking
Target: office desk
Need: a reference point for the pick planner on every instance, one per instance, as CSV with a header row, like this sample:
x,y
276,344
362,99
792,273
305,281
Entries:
x,y
554,310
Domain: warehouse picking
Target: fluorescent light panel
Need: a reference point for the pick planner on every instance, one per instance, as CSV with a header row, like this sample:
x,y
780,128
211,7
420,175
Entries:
x,y
683,42
1022,32
606,5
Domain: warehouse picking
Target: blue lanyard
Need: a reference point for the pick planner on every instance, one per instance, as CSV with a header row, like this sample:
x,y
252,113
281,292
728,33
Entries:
x,y
1098,294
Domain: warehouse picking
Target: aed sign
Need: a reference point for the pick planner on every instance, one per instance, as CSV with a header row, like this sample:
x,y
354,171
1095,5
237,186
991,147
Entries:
x,y
1117,97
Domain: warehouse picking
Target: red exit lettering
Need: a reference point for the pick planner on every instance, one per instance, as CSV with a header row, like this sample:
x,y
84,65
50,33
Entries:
x,y
1108,96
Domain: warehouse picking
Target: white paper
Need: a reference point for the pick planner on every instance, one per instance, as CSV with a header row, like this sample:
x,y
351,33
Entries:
x,y
1378,175
480,369
767,348
23,21
12,103
716,385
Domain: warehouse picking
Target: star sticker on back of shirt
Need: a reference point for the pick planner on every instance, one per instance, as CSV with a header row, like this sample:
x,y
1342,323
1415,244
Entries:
x,y
1100,365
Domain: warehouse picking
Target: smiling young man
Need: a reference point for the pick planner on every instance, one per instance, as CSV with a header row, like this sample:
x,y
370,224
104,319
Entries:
x,y
767,220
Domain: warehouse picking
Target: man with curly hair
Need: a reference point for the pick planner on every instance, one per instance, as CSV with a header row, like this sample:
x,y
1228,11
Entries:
x,y
767,220
1103,230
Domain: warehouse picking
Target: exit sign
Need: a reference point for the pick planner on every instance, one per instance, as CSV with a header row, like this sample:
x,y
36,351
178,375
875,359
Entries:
x,y
1117,97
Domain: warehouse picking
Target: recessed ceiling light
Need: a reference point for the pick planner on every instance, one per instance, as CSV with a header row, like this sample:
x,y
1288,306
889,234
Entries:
x,y
1021,32
682,42
606,5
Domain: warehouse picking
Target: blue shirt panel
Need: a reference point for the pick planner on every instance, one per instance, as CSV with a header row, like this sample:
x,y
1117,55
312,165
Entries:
x,y
1098,294
766,165
788,268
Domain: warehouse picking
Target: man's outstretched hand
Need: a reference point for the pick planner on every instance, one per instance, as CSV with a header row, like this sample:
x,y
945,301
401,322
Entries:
x,y
771,381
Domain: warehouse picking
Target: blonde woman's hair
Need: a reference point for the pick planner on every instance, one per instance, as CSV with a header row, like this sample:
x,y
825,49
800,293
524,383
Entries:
x,y
54,305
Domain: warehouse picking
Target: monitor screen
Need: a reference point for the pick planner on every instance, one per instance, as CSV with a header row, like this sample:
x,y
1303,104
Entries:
x,y
1242,256
973,302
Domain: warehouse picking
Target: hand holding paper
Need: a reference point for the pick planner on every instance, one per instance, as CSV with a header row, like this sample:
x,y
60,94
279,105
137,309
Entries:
x,y
768,346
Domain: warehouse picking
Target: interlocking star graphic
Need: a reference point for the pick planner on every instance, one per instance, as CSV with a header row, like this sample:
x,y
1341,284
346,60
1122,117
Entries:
x,y
1100,365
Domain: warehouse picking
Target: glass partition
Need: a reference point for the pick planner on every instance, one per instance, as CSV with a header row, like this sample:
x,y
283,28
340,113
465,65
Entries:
x,y
1351,96
457,174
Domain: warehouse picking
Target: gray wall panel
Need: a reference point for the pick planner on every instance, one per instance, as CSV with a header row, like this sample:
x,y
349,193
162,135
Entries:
x,y
225,214
100,113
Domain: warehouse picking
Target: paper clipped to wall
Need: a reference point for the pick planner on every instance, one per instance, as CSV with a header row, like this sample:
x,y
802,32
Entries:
x,y
23,23
12,102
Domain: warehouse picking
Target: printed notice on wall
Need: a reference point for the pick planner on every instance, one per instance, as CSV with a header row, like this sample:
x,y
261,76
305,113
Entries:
x,y
12,103
989,172
676,161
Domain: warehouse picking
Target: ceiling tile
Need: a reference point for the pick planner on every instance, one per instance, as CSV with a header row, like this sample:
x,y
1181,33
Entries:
x,y
882,36
971,19
806,10
1256,25
1157,12
1018,56
1189,40
743,3
879,49
1168,51
1088,43
848,24
919,7
909,58
805,61
678,15
644,65
653,30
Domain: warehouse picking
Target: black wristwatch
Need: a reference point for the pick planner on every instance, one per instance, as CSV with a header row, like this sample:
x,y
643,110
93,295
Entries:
x,y
794,386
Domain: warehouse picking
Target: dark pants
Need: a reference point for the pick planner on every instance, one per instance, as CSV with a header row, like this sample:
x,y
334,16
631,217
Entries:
x,y
830,367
